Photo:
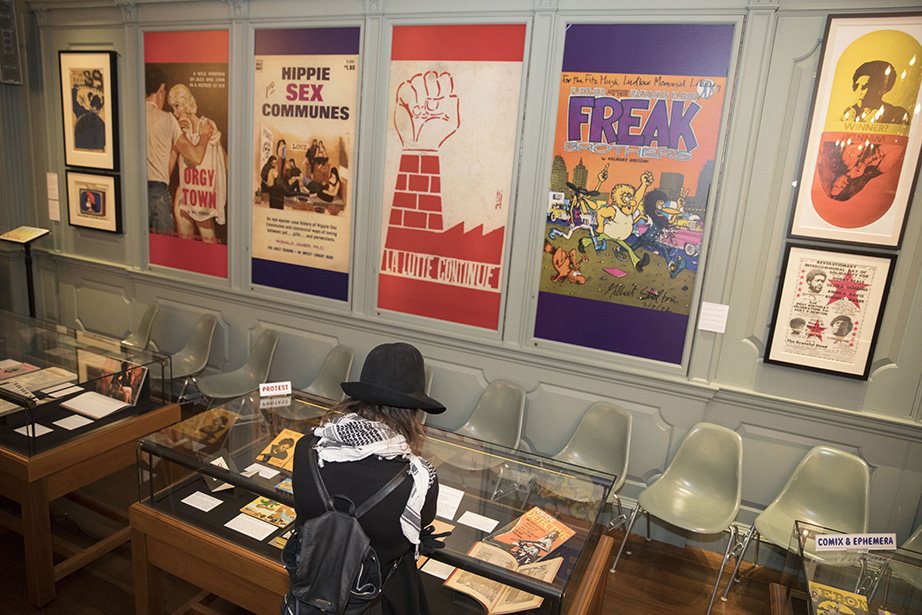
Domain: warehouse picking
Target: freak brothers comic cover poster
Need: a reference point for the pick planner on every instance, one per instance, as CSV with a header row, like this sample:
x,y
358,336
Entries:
x,y
186,109
305,110
637,128
863,145
450,151
828,310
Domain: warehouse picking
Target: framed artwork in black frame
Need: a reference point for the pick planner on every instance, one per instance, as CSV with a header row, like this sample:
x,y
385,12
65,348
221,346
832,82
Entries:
x,y
828,310
89,102
93,201
861,155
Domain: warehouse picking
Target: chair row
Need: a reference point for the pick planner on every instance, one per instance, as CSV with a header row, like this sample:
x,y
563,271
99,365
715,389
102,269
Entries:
x,y
701,488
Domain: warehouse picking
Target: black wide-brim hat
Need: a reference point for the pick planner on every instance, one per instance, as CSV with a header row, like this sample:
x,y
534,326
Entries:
x,y
393,375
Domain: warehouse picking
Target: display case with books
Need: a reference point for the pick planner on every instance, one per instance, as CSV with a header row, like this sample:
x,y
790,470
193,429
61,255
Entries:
x,y
872,578
59,384
223,477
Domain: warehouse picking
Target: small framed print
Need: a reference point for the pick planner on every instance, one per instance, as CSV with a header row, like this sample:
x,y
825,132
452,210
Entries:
x,y
89,99
861,156
829,309
93,201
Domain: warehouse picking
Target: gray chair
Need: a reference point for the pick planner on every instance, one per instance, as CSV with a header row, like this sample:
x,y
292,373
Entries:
x,y
699,491
193,358
602,441
140,337
334,370
829,488
498,415
914,542
245,378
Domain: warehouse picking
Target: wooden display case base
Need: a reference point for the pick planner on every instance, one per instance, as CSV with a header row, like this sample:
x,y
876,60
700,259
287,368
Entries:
x,y
34,482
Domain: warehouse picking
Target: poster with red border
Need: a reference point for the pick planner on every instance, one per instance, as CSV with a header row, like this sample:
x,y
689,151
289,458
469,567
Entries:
x,y
638,121
187,149
450,149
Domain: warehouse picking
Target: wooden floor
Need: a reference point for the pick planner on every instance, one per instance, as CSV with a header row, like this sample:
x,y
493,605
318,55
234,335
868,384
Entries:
x,y
656,579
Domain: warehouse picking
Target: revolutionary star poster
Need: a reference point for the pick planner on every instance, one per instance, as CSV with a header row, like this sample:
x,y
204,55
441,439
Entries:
x,y
186,106
862,151
305,109
828,310
453,113
638,120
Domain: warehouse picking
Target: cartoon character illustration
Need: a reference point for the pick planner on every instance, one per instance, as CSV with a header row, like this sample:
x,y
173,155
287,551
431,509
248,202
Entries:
x,y
581,205
566,264
653,237
615,219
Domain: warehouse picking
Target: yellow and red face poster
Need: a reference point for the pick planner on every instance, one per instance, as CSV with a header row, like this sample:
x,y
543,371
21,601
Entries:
x,y
638,122
454,100
186,113
862,151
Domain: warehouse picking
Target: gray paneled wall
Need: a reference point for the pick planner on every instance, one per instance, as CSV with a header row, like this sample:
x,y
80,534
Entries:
x,y
104,282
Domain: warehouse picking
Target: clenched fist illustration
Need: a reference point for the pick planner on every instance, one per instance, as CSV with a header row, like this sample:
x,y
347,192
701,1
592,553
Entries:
x,y
427,111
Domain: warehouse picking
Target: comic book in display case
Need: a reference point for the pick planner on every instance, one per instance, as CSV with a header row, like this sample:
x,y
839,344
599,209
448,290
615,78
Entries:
x,y
58,384
511,548
857,581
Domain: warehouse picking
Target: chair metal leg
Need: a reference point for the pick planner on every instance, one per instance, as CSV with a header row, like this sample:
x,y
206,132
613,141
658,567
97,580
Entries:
x,y
739,560
619,520
731,547
627,533
648,527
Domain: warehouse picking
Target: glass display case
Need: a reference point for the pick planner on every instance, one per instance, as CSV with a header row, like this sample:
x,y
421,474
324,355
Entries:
x,y
58,384
223,477
856,582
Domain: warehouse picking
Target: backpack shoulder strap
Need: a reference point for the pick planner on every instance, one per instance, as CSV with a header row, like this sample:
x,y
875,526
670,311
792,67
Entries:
x,y
382,493
318,480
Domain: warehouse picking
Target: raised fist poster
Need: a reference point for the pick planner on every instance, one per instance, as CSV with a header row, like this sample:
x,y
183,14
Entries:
x,y
638,121
186,108
304,117
450,148
862,149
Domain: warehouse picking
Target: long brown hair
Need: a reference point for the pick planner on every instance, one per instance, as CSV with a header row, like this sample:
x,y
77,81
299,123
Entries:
x,y
402,421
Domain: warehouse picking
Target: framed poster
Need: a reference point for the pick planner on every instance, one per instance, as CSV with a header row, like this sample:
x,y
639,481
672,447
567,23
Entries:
x,y
93,201
305,99
829,309
186,99
89,99
861,156
448,170
634,162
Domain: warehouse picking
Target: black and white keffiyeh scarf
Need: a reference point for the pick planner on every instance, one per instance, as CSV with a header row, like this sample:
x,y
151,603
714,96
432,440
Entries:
x,y
349,437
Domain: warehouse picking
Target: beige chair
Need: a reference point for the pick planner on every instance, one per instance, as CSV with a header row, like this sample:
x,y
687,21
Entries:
x,y
829,488
193,358
334,371
245,378
699,491
140,337
602,441
498,415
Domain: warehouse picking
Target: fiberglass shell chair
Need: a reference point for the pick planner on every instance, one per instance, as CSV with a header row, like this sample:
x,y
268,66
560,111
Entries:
x,y
602,441
914,542
140,338
334,371
829,488
498,415
245,378
192,359
699,491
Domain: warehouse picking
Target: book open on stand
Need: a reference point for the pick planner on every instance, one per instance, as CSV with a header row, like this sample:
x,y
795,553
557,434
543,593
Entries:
x,y
495,597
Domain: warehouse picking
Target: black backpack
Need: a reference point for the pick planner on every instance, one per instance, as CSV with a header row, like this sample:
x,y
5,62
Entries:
x,y
329,559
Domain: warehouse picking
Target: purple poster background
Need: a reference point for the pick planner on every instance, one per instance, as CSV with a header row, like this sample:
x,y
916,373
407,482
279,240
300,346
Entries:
x,y
669,50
